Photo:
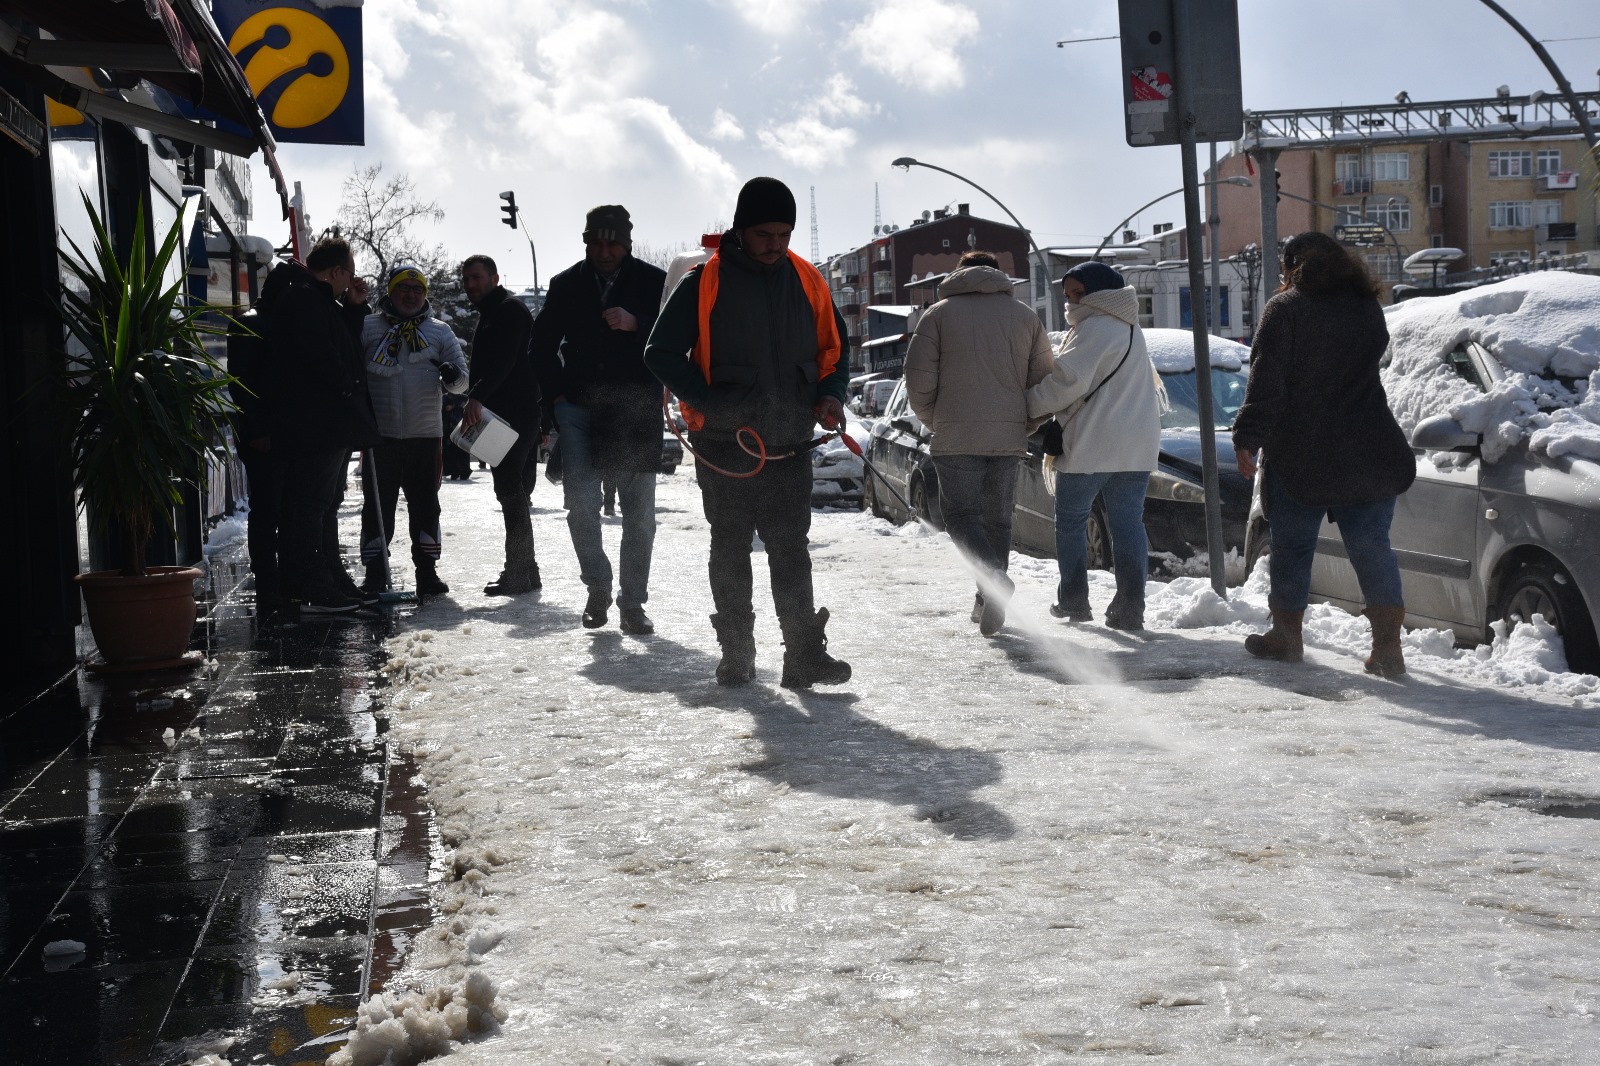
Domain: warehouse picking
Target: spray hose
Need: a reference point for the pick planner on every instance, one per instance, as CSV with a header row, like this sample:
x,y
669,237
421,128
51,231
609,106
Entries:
x,y
744,436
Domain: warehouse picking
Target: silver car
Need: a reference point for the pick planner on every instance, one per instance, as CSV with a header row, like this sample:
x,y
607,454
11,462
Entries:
x,y
1478,540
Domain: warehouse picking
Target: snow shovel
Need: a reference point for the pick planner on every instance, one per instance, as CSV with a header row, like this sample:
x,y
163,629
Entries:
x,y
390,595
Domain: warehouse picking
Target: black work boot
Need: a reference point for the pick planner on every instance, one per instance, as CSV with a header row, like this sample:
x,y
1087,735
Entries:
x,y
429,583
737,635
806,661
513,581
376,578
594,611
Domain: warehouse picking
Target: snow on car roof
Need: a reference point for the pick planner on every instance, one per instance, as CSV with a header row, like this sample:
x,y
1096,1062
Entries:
x,y
1172,350
1540,326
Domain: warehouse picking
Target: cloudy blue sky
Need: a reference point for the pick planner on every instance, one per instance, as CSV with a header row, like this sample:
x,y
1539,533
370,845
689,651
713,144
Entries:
x,y
667,107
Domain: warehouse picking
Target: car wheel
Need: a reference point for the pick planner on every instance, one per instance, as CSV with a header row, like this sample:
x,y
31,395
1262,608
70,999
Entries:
x,y
869,495
921,509
1094,530
1546,589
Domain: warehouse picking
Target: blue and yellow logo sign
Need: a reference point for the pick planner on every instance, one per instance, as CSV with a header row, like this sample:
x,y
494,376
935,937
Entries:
x,y
303,63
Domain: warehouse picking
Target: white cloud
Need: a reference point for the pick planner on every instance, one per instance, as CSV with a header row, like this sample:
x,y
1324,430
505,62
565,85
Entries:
x,y
772,16
915,42
839,99
808,142
724,127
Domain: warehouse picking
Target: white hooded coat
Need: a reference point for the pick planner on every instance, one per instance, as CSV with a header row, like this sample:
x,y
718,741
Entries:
x,y
407,395
1119,429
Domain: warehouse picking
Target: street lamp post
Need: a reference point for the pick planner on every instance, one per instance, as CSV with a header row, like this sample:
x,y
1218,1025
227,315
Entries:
x,y
1054,317
1164,196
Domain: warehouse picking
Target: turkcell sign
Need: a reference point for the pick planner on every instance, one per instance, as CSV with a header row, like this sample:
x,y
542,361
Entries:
x,y
303,62
1165,39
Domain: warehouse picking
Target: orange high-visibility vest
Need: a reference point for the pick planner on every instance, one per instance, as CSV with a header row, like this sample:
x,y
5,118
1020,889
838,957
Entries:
x,y
816,289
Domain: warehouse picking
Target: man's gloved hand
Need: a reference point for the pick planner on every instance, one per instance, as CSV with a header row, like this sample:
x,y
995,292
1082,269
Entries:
x,y
449,373
830,412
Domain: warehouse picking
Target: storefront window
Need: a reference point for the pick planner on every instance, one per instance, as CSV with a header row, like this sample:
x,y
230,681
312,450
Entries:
x,y
74,172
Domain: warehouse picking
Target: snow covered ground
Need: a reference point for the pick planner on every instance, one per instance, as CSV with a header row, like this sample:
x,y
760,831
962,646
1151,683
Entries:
x,y
1061,842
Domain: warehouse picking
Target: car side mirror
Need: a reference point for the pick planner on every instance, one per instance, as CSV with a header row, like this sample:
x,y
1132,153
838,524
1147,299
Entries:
x,y
904,426
1441,433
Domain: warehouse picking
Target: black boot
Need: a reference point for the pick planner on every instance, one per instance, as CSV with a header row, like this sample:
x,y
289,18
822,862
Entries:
x,y
511,582
594,611
377,577
737,635
428,581
806,661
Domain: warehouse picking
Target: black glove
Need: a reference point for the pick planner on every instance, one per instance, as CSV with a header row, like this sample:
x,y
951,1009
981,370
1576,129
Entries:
x,y
449,373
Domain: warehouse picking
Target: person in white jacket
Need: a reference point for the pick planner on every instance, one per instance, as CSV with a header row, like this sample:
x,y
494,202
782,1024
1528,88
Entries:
x,y
1104,392
410,354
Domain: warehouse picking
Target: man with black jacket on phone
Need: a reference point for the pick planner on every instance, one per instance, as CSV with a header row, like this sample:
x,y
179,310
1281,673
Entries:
x,y
503,380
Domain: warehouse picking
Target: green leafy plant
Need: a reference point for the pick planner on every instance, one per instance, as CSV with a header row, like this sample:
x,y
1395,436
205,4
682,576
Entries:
x,y
144,397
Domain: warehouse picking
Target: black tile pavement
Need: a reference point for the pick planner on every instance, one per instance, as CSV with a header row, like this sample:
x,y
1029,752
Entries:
x,y
238,848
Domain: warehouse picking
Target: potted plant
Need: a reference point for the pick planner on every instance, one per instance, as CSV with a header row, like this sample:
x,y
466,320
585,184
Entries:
x,y
144,399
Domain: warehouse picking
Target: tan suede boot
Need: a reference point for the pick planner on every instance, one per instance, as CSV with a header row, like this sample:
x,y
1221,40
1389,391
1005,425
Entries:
x,y
1386,659
1282,641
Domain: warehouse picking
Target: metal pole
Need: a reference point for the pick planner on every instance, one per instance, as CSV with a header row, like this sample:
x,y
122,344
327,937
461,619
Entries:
x,y
1213,220
1267,163
1578,113
1182,17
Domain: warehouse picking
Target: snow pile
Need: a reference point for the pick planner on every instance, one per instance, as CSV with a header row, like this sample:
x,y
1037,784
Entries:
x,y
1541,327
1172,350
401,1030
225,533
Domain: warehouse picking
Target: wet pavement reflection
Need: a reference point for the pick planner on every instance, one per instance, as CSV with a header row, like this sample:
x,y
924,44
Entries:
x,y
236,851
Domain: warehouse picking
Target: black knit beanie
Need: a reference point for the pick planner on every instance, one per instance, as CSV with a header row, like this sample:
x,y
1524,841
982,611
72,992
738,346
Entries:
x,y
1095,277
609,222
764,200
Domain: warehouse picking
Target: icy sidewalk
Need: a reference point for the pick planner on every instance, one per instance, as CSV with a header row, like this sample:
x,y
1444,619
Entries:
x,y
1063,841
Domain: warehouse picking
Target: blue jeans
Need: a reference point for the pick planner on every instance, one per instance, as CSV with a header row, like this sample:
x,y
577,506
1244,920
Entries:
x,y
1123,493
582,492
976,495
1364,528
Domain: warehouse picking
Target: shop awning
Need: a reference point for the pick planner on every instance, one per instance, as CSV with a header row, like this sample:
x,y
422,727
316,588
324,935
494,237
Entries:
x,y
170,43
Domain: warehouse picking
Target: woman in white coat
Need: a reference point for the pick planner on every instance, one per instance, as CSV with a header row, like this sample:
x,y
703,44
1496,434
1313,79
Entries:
x,y
1105,394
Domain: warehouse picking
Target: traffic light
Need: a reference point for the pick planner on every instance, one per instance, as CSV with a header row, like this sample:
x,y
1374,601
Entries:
x,y
510,208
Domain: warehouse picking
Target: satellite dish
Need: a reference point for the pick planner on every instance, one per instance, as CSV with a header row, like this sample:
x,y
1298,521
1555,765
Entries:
x,y
926,214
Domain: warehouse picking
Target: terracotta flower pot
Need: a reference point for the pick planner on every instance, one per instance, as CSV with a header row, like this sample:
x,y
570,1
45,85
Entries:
x,y
141,623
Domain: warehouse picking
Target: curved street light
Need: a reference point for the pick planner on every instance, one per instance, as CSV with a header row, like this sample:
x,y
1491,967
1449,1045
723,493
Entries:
x,y
1107,239
1054,317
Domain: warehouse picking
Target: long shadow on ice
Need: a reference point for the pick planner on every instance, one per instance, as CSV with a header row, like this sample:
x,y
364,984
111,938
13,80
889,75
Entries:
x,y
830,748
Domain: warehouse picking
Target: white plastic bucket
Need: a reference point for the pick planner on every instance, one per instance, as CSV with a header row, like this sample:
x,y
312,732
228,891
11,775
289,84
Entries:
x,y
488,441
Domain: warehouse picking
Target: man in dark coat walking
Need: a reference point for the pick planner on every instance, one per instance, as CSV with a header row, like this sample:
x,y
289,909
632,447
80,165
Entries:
x,y
588,347
503,380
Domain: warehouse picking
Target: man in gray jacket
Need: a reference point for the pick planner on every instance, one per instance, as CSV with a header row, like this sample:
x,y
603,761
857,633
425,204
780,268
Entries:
x,y
409,354
970,363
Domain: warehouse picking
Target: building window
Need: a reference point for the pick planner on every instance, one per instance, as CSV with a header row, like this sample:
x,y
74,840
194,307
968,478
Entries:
x,y
1510,214
1516,163
1147,311
1395,216
1391,166
883,253
1348,166
882,283
1549,162
1436,241
1384,267
1435,195
1546,211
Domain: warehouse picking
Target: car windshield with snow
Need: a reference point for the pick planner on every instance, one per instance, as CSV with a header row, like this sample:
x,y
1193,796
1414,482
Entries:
x,y
1496,387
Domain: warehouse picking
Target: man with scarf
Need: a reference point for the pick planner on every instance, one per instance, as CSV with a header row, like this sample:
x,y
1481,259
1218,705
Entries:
x,y
588,347
409,354
752,345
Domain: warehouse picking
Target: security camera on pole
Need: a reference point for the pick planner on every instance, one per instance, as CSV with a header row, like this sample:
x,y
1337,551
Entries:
x,y
1181,85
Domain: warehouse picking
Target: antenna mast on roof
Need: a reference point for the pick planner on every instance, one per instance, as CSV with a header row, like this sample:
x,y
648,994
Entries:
x,y
816,246
877,215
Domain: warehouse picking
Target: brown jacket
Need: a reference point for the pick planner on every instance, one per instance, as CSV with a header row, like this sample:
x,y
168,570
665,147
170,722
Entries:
x,y
971,361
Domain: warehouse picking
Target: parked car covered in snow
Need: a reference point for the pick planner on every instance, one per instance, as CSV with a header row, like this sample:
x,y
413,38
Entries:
x,y
837,472
1498,389
1174,514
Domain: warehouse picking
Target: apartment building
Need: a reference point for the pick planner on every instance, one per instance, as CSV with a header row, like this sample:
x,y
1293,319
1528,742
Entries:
x,y
1499,201
881,272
